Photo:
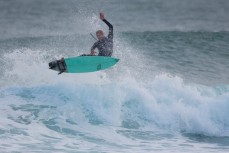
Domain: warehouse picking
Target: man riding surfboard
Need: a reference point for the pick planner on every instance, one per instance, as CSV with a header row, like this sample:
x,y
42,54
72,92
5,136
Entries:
x,y
104,44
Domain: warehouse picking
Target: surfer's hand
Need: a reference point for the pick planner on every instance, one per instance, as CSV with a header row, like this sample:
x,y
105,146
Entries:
x,y
101,16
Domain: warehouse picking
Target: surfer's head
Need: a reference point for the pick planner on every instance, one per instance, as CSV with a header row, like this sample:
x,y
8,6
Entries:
x,y
100,34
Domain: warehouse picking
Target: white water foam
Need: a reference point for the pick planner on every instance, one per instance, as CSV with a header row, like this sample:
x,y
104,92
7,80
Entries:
x,y
41,107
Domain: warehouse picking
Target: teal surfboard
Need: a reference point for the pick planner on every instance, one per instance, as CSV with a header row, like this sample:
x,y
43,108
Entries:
x,y
82,64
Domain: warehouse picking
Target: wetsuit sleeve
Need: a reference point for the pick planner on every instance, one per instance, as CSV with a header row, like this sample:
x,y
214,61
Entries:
x,y
94,46
110,35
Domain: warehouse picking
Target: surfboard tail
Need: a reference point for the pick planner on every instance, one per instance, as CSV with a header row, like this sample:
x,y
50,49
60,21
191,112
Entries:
x,y
58,65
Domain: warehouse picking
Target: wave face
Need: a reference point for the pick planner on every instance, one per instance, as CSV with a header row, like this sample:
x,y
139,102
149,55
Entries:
x,y
168,93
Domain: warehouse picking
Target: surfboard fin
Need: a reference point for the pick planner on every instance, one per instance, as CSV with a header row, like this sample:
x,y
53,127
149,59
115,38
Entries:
x,y
60,72
52,67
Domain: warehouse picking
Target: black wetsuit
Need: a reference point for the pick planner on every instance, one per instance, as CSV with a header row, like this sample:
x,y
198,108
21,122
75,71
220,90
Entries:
x,y
105,45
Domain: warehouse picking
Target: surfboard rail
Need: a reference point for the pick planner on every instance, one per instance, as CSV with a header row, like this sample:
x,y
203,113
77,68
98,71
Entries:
x,y
82,64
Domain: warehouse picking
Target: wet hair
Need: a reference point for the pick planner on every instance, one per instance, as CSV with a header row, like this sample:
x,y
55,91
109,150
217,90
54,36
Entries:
x,y
100,32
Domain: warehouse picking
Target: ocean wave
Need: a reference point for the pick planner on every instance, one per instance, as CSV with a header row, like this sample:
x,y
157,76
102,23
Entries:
x,y
166,103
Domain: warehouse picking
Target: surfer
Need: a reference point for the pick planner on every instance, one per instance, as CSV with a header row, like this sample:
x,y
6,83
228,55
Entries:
x,y
104,44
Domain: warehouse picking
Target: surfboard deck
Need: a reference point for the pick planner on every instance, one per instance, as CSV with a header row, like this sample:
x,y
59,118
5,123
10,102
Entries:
x,y
82,64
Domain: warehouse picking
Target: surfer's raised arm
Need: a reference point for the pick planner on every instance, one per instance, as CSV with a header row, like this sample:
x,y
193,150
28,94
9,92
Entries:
x,y
102,17
104,44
